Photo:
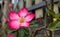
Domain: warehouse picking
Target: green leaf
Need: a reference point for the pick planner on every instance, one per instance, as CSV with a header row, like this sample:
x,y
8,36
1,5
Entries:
x,y
57,16
33,25
23,32
53,25
59,3
52,13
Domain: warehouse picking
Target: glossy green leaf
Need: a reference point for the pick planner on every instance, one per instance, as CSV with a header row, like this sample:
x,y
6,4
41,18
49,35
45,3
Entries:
x,y
23,32
34,25
53,25
59,3
57,16
52,13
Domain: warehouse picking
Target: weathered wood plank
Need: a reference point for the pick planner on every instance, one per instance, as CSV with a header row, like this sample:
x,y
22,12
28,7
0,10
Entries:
x,y
56,8
28,3
38,12
40,5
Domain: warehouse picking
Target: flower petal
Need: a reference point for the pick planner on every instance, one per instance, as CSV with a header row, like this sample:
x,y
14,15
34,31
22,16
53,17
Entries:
x,y
10,35
14,25
23,12
29,17
25,24
13,16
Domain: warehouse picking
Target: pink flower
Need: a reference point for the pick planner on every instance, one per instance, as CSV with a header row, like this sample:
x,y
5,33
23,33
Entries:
x,y
10,5
20,19
10,35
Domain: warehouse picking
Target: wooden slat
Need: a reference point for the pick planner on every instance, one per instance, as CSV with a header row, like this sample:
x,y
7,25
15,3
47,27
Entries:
x,y
56,8
38,12
40,5
28,3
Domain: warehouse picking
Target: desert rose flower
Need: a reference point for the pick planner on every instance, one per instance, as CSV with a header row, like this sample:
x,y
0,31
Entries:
x,y
20,19
10,5
10,35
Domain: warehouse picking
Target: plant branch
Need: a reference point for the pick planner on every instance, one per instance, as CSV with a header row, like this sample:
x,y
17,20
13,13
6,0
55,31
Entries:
x,y
4,10
52,8
52,4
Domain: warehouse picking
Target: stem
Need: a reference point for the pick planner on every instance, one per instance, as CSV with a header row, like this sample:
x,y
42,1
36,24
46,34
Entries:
x,y
18,33
52,4
46,1
52,8
45,17
51,34
4,10
30,32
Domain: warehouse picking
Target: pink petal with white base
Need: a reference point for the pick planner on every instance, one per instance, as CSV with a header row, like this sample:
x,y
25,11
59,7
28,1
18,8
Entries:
x,y
23,12
25,24
29,17
13,15
14,25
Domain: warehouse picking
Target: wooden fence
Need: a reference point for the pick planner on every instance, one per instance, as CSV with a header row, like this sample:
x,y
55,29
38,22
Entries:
x,y
38,6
